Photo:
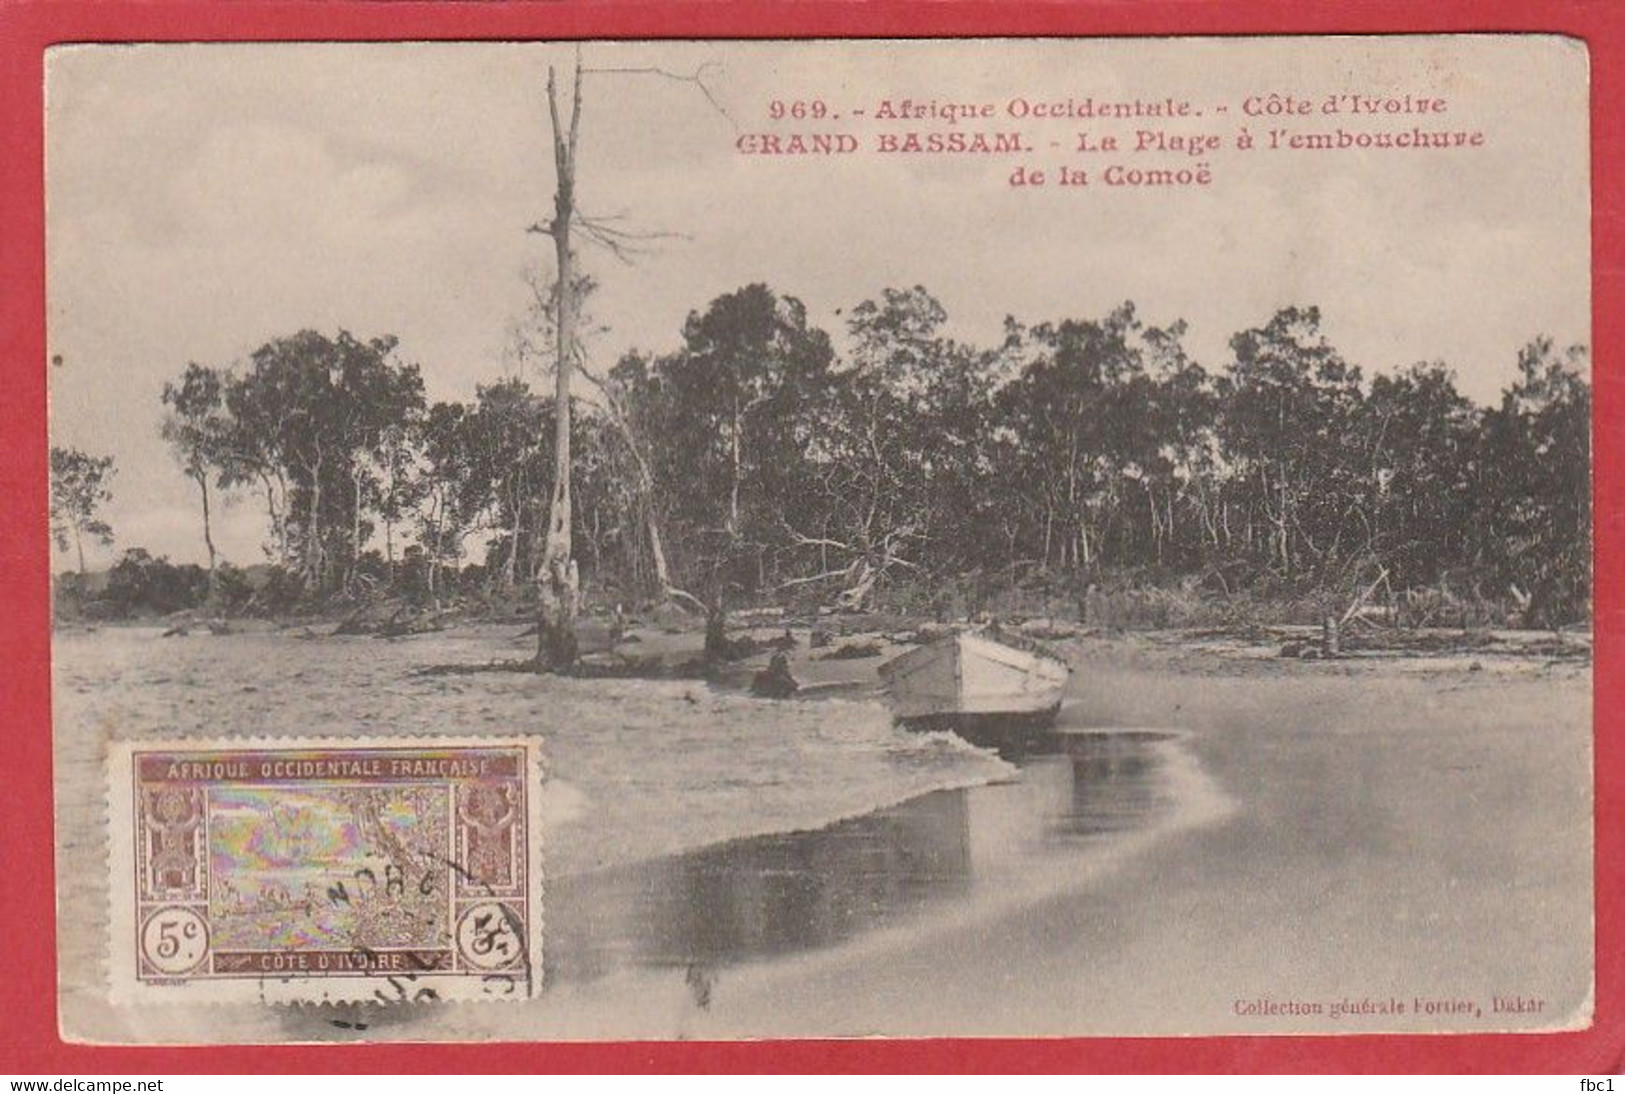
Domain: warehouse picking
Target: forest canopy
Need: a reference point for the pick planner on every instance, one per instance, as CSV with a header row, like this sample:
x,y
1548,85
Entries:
x,y
753,462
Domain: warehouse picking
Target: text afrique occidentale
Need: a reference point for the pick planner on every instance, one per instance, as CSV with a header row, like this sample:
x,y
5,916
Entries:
x,y
1022,108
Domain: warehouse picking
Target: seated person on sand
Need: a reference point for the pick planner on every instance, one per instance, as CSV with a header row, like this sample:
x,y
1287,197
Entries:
x,y
775,681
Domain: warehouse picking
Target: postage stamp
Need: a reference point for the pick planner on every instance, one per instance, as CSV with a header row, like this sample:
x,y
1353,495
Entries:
x,y
325,870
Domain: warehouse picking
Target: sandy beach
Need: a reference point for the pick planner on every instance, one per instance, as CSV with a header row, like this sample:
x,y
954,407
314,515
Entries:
x,y
1215,841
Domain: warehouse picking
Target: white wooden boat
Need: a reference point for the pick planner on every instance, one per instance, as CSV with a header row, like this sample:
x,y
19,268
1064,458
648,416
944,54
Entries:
x,y
971,677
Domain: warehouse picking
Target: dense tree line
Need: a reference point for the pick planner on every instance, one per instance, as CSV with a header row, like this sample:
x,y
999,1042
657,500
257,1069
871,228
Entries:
x,y
755,462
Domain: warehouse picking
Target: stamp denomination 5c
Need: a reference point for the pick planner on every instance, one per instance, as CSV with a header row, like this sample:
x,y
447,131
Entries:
x,y
396,870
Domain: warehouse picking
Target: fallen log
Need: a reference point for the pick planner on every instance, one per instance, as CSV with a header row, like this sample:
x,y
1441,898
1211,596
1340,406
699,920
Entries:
x,y
1359,601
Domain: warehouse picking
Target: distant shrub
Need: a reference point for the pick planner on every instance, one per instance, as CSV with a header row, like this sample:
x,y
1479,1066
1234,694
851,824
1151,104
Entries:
x,y
142,584
71,594
232,590
280,592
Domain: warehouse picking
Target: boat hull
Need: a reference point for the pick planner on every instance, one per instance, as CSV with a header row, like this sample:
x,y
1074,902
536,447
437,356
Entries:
x,y
1013,736
985,725
966,678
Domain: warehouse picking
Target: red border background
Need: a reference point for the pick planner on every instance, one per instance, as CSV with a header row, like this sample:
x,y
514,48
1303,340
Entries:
x,y
30,1042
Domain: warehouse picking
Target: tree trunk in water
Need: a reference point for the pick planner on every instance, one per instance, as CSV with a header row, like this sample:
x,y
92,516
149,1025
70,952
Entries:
x,y
559,582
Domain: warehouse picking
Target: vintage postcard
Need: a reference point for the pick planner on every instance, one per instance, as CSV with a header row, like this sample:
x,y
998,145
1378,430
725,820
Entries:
x,y
335,871
924,538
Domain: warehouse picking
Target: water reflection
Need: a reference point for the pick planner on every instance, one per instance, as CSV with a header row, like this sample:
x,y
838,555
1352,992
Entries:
x,y
763,896
1114,782
773,895
1016,740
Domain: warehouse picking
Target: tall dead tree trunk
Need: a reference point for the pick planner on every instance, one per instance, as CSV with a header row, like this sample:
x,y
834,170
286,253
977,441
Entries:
x,y
559,582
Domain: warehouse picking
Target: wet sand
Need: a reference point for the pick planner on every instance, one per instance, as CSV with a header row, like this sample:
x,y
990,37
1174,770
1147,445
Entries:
x,y
1209,846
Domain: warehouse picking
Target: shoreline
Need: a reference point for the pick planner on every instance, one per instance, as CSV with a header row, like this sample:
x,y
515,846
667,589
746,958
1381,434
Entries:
x,y
674,652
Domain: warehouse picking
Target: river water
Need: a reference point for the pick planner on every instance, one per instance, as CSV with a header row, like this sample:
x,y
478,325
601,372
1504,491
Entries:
x,y
786,893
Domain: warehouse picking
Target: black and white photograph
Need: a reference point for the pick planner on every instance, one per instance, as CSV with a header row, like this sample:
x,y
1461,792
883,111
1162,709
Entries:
x,y
717,540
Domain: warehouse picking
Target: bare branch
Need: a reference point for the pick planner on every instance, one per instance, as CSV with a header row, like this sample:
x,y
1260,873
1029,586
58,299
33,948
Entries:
x,y
845,571
697,78
671,592
625,246
603,225
814,541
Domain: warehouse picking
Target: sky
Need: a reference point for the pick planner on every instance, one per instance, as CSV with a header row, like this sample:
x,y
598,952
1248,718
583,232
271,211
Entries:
x,y
203,199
